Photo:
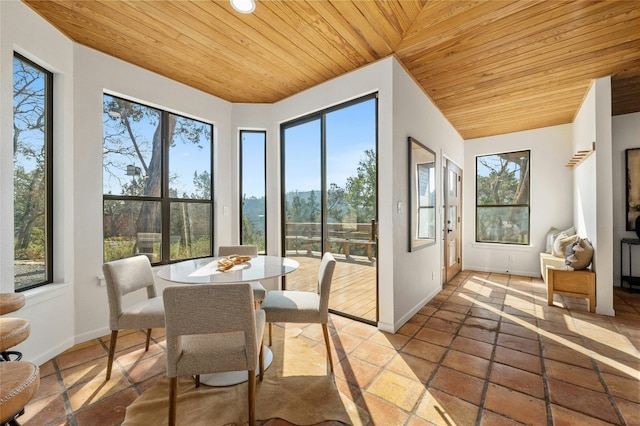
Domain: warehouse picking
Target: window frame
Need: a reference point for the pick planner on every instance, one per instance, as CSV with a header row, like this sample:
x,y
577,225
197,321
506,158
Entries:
x,y
519,205
165,200
241,181
48,174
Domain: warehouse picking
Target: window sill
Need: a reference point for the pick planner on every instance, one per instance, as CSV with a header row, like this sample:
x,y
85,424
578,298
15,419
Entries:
x,y
46,292
498,246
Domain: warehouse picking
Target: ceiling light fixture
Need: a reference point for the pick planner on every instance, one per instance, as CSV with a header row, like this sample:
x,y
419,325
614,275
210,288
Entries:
x,y
244,6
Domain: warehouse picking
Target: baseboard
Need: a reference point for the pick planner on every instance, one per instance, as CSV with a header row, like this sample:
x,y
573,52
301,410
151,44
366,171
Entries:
x,y
405,318
501,271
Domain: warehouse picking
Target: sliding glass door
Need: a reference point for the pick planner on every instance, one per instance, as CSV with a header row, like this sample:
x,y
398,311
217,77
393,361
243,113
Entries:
x,y
329,181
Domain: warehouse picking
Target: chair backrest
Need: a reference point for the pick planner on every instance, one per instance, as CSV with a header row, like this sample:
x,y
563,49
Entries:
x,y
207,309
244,250
125,276
325,276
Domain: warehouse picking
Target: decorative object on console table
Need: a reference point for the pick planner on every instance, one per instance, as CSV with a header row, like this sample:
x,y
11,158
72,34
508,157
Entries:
x,y
633,188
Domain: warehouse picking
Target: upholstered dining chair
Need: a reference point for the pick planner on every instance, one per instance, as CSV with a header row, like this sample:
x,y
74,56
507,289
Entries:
x,y
259,292
212,328
303,306
126,276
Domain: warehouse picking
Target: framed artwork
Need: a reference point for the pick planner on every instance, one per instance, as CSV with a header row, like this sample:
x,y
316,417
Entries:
x,y
633,187
422,195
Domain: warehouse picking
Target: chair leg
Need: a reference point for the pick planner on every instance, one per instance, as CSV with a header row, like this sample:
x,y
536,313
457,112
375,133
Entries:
x,y
197,380
270,332
261,361
146,347
325,331
112,351
252,397
173,391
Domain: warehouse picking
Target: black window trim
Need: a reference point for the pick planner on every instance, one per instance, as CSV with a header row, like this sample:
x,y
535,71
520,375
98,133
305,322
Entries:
x,y
164,198
49,158
240,188
528,206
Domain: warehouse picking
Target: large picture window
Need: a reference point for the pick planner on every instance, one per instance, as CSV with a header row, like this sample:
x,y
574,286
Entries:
x,y
157,183
32,174
502,198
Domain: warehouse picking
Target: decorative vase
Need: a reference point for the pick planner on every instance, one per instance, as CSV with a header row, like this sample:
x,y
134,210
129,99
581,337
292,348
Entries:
x,y
638,226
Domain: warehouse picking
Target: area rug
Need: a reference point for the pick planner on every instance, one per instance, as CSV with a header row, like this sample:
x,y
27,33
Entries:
x,y
296,388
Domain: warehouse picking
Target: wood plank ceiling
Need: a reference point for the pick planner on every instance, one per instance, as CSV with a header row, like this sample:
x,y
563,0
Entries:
x,y
491,66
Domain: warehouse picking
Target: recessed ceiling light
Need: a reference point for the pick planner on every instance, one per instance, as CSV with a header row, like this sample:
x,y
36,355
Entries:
x,y
244,6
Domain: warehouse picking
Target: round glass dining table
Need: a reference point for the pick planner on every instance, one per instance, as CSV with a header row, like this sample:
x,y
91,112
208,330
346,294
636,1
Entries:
x,y
205,271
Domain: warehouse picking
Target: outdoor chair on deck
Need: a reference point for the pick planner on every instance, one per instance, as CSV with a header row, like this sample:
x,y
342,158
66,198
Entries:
x,y
125,276
304,306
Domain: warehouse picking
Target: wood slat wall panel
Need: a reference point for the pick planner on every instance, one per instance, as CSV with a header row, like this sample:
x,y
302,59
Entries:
x,y
625,94
479,61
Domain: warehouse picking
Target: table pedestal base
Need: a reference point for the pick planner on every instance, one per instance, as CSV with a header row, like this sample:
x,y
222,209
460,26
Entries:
x,y
229,378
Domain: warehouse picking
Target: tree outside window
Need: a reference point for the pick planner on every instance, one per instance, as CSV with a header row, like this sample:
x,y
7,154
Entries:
x,y
157,183
32,174
502,198
253,185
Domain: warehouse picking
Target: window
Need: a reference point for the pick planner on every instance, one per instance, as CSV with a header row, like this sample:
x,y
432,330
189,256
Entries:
x,y
253,218
157,183
502,198
329,201
32,174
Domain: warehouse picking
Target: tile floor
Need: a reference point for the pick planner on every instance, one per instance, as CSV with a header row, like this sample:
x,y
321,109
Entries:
x,y
487,350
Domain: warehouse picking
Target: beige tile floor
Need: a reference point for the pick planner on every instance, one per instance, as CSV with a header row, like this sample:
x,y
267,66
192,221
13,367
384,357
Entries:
x,y
487,350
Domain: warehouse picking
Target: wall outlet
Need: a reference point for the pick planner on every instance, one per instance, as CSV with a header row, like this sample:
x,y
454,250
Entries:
x,y
433,275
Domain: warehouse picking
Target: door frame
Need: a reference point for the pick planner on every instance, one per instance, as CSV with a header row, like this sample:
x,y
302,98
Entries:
x,y
320,115
446,275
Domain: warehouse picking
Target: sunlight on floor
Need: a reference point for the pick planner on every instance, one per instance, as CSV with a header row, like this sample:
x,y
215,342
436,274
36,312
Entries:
x,y
632,372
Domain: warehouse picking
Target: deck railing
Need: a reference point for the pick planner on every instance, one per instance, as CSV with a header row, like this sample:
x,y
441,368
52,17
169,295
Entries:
x,y
347,237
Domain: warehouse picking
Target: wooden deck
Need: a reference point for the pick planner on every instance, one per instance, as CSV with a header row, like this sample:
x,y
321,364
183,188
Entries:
x,y
353,289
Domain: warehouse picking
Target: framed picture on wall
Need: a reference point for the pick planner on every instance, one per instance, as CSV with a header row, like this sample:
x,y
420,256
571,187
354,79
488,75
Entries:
x,y
422,195
633,187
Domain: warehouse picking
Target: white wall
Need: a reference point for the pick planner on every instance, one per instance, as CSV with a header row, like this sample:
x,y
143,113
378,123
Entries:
x,y
49,309
95,73
416,275
626,134
594,188
551,198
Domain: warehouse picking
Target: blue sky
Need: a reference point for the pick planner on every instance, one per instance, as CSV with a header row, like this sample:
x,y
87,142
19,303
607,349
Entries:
x,y
350,131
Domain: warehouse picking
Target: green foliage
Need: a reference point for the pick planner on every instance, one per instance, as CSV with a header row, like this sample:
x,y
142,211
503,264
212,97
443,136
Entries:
x,y
502,188
118,248
360,191
29,145
251,235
